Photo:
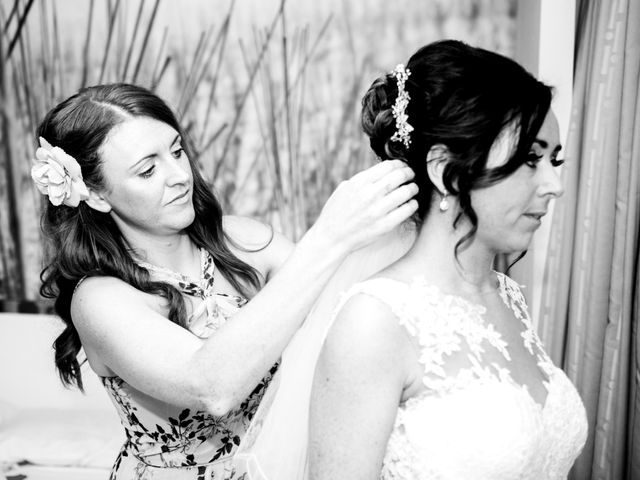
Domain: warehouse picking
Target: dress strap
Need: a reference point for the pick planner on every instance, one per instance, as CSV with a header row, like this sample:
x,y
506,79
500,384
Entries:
x,y
386,290
84,277
214,309
201,288
512,296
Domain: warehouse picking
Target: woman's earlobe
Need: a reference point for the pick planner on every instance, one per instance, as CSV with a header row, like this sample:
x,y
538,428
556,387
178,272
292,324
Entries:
x,y
98,202
436,160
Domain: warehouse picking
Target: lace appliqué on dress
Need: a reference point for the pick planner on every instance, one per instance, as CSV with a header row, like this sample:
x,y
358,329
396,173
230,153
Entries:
x,y
474,420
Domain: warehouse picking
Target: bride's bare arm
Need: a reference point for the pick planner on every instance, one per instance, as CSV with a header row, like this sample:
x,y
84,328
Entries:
x,y
359,380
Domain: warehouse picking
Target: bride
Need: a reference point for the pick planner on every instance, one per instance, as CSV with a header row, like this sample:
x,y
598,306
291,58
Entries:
x,y
431,368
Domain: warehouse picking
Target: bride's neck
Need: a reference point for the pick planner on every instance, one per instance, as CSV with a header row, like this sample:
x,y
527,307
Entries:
x,y
434,257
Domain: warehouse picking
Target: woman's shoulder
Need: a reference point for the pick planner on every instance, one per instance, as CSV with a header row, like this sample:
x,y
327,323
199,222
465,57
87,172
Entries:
x,y
100,285
367,332
257,243
372,308
380,293
97,286
96,294
248,233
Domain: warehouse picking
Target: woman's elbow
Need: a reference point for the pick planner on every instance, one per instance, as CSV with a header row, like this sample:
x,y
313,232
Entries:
x,y
214,401
218,407
218,392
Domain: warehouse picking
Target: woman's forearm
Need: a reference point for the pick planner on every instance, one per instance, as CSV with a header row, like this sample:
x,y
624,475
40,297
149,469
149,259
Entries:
x,y
233,361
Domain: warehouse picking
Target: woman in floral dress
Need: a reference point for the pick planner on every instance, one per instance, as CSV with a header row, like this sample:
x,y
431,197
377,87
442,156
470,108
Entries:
x,y
182,313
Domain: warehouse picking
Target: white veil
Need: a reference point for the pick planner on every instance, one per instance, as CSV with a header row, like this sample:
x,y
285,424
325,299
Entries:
x,y
275,445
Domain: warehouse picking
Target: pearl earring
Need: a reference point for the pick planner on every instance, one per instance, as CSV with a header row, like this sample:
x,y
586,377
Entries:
x,y
444,204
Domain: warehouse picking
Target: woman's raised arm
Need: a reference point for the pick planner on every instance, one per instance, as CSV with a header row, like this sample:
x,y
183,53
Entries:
x,y
217,374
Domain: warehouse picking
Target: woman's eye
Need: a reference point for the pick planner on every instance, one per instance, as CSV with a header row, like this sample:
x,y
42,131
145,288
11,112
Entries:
x,y
177,153
532,159
556,162
148,172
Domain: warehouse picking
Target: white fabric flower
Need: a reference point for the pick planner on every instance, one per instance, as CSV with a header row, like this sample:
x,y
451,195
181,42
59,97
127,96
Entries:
x,y
58,176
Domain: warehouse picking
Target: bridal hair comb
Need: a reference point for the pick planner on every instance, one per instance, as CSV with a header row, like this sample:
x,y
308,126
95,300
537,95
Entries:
x,y
399,109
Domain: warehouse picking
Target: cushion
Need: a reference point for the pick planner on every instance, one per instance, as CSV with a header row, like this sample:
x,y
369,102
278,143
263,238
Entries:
x,y
57,437
7,410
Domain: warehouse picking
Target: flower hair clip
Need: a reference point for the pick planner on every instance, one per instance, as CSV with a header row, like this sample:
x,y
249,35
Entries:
x,y
399,109
58,175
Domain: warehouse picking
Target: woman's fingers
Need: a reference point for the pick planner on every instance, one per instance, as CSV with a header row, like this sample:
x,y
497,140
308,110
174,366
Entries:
x,y
369,204
397,197
390,191
397,216
394,179
378,172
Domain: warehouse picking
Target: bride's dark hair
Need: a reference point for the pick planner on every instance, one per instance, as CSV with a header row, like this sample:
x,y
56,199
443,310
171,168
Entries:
x,y
462,97
84,242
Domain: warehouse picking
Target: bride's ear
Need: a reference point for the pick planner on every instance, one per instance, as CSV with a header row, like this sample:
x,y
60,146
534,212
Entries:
x,y
437,158
98,202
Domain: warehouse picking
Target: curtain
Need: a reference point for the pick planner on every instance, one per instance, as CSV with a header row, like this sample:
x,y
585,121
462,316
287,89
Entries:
x,y
590,300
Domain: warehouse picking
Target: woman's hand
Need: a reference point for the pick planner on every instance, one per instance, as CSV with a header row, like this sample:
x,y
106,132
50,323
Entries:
x,y
369,204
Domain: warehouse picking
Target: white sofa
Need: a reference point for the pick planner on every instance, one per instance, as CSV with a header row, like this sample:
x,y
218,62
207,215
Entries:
x,y
48,432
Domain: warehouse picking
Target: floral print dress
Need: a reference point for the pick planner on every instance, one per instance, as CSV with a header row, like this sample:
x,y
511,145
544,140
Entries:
x,y
165,441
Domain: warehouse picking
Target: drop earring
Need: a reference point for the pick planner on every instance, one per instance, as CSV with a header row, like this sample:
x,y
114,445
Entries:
x,y
444,204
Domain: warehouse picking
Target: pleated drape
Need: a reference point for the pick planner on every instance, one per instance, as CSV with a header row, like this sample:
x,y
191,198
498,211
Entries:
x,y
590,299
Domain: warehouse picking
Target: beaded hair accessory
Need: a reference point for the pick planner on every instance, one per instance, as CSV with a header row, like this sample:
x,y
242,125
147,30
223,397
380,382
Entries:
x,y
399,109
58,175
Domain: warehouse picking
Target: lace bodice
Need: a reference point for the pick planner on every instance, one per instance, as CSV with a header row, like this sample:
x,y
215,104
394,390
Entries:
x,y
472,420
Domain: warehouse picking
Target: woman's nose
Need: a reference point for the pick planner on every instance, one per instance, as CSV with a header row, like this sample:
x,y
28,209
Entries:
x,y
179,171
551,183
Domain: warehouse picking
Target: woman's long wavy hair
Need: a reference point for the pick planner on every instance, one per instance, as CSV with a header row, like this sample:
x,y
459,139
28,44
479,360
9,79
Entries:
x,y
84,242
462,97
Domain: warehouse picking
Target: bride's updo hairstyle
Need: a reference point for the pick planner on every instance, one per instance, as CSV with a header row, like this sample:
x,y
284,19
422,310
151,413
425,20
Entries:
x,y
462,97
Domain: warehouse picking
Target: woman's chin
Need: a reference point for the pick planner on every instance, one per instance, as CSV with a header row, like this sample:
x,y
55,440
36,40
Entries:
x,y
517,246
187,217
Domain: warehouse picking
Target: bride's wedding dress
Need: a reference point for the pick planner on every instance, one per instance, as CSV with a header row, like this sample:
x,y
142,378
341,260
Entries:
x,y
473,421
470,421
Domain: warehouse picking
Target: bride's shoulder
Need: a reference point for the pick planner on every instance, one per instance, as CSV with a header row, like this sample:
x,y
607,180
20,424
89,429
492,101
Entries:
x,y
378,290
365,332
372,308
